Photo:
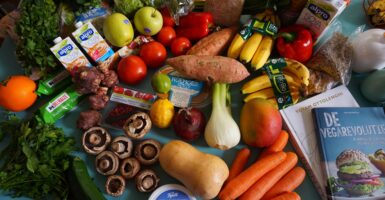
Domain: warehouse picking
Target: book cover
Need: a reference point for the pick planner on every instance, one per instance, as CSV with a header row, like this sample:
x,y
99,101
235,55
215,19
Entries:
x,y
352,143
298,121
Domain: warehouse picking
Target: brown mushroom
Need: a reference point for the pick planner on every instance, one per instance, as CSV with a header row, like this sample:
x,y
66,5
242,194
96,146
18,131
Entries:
x,y
129,167
115,185
95,140
107,163
146,180
137,125
147,151
122,147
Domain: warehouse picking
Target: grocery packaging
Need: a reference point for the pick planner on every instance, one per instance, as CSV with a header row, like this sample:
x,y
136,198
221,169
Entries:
x,y
92,42
69,54
318,14
54,83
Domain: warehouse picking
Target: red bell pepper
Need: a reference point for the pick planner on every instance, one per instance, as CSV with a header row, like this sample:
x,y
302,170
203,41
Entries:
x,y
195,25
167,19
295,42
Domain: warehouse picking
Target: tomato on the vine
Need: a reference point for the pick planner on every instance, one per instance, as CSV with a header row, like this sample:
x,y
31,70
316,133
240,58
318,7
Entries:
x,y
180,45
132,69
153,54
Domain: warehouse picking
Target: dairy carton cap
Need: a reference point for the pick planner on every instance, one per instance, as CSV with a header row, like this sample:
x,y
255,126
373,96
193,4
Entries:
x,y
57,40
78,24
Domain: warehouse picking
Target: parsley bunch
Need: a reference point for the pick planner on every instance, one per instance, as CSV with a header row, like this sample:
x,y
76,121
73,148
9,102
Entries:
x,y
35,161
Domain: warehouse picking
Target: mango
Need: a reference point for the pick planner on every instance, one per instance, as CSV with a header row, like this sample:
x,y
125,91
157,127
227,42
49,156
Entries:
x,y
260,123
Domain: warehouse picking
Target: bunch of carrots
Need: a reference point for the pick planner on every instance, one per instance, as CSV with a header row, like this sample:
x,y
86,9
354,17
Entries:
x,y
272,177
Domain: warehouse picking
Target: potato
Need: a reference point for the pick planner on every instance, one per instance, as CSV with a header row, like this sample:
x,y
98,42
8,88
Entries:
x,y
203,174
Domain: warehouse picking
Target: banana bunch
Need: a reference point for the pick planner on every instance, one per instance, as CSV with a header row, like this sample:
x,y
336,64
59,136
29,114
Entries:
x,y
257,48
297,76
376,12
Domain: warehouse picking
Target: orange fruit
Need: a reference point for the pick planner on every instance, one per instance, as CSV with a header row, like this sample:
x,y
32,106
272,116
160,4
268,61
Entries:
x,y
17,93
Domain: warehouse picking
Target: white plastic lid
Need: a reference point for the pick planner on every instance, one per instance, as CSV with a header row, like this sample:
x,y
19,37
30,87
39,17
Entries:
x,y
78,24
172,192
57,40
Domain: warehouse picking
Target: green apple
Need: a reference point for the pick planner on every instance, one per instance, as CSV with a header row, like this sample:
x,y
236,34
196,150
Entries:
x,y
118,30
148,21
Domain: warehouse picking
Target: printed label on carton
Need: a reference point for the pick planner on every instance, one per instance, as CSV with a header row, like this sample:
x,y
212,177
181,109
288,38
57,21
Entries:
x,y
93,43
70,55
183,90
132,97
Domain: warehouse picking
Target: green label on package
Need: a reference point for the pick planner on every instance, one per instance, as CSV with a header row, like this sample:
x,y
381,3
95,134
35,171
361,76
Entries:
x,y
54,83
60,105
278,81
255,25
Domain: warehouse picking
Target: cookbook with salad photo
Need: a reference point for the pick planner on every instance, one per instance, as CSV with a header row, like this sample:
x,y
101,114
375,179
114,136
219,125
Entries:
x,y
189,99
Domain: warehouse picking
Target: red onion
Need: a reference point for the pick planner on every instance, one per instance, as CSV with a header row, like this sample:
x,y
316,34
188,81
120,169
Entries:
x,y
189,123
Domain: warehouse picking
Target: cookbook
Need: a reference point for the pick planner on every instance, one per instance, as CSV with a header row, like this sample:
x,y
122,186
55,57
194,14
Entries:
x,y
352,143
299,123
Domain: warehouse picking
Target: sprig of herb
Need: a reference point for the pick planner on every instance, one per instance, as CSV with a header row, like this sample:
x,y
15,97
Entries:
x,y
35,161
37,27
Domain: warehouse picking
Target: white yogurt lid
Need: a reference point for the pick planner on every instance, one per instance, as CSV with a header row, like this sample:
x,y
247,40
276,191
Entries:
x,y
172,192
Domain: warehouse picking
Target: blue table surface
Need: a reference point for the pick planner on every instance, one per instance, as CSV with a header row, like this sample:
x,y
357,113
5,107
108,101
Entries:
x,y
350,19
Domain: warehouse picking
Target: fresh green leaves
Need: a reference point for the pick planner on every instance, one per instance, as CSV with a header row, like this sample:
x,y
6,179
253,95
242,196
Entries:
x,y
35,161
37,27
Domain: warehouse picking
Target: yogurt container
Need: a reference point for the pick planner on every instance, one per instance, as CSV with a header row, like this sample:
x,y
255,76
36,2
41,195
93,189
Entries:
x,y
92,42
186,92
172,192
69,54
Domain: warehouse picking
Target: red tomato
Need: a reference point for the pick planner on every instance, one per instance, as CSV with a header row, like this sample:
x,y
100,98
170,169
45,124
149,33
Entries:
x,y
167,19
153,54
132,69
166,35
180,46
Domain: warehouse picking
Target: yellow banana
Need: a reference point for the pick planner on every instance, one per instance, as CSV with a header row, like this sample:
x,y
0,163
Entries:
x,y
263,52
298,69
262,82
236,46
268,93
250,47
273,101
260,16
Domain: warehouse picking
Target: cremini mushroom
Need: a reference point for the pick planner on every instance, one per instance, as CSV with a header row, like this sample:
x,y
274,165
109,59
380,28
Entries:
x,y
147,151
137,125
115,185
129,167
95,140
107,163
146,180
122,147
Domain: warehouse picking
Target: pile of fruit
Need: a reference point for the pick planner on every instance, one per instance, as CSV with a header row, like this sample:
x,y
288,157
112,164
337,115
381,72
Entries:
x,y
132,44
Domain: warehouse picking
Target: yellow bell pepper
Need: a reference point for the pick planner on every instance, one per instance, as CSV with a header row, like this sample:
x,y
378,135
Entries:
x,y
161,113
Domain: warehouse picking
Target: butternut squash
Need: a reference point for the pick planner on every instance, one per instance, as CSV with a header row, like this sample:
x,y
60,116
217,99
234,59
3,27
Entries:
x,y
203,174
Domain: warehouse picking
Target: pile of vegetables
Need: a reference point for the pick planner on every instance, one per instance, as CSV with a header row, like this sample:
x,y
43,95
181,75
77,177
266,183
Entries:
x,y
36,159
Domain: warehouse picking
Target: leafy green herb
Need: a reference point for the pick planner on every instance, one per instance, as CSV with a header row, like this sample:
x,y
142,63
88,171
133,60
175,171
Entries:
x,y
37,27
35,161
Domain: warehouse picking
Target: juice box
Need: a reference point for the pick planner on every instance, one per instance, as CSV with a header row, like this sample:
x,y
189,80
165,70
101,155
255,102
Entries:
x,y
69,54
92,42
318,14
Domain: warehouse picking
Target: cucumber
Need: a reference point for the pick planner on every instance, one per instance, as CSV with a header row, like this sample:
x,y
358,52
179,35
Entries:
x,y
81,184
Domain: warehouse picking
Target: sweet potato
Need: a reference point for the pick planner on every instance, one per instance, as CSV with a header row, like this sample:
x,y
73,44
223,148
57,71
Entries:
x,y
214,69
213,44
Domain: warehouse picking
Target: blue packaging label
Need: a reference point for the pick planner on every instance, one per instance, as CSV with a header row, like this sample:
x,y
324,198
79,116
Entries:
x,y
183,90
91,14
173,195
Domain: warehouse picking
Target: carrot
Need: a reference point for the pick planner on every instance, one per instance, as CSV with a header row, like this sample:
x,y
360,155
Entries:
x,y
278,145
213,44
239,163
247,178
217,69
287,184
258,189
287,196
